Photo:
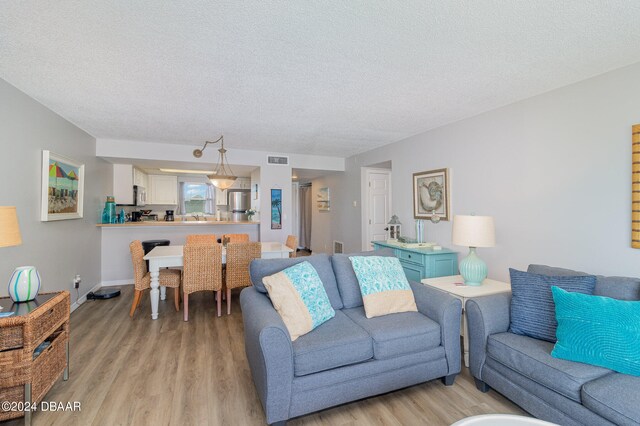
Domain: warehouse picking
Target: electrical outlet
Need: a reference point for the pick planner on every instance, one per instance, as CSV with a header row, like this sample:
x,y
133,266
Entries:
x,y
76,282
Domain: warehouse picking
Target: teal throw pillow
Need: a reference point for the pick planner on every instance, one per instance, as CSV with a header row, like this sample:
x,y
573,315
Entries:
x,y
598,330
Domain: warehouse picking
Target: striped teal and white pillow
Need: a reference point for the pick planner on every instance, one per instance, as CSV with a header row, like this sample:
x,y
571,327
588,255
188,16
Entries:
x,y
598,330
383,284
299,297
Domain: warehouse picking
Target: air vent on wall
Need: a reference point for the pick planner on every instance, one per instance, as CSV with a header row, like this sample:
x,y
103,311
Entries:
x,y
338,247
281,161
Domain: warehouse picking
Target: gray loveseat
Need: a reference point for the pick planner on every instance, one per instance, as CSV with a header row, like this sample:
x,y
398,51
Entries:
x,y
522,368
349,357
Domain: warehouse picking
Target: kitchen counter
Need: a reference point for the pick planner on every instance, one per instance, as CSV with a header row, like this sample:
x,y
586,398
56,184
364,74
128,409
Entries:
x,y
148,223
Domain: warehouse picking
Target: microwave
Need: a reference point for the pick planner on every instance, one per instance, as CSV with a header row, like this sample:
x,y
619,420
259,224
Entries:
x,y
139,195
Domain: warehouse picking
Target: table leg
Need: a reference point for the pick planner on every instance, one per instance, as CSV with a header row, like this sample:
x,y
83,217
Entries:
x,y
163,293
154,271
27,401
65,375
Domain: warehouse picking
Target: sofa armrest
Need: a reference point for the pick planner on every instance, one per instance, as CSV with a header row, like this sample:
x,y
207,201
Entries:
x,y
486,315
446,310
269,352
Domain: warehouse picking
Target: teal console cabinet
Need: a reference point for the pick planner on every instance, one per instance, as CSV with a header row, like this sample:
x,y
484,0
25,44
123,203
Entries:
x,y
420,263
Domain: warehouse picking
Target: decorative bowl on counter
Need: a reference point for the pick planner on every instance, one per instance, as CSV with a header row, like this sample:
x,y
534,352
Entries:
x,y
146,212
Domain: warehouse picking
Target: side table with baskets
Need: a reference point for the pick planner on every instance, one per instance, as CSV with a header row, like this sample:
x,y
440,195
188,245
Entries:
x,y
34,350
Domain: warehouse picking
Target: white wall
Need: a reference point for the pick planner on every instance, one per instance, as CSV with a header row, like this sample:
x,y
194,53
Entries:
x,y
324,228
554,171
59,249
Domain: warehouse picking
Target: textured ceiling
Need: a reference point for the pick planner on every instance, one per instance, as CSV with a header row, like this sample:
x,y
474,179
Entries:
x,y
328,77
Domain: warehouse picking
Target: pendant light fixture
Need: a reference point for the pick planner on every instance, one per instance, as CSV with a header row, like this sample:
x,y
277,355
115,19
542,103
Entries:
x,y
222,178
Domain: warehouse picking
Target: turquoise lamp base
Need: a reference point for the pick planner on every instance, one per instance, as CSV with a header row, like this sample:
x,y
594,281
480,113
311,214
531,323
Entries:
x,y
473,269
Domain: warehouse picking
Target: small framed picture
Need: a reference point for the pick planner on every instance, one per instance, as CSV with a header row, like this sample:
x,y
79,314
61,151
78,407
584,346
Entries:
x,y
62,187
431,195
324,200
276,209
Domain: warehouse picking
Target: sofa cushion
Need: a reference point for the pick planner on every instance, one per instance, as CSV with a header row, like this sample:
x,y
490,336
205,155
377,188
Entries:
x,y
346,277
615,397
532,309
532,358
384,286
598,330
261,268
621,288
299,297
397,334
335,343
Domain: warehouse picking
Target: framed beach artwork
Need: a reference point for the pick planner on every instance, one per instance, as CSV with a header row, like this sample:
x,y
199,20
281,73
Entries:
x,y
276,209
62,187
324,200
431,195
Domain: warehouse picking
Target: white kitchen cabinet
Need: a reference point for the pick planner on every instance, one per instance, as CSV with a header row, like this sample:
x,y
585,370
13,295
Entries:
x,y
221,197
163,189
241,183
140,178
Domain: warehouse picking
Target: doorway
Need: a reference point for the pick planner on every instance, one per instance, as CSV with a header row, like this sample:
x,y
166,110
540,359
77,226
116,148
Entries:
x,y
376,205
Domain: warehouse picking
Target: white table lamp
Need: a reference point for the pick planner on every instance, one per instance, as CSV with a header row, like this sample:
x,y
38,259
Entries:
x,y
473,232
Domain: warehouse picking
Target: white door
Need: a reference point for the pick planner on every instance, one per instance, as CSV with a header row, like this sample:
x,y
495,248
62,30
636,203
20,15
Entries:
x,y
378,206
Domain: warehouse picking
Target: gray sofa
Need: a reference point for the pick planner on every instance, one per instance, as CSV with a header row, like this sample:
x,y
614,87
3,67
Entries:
x,y
522,368
349,357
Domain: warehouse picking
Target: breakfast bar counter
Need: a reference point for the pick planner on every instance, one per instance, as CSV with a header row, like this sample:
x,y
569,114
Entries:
x,y
116,257
189,223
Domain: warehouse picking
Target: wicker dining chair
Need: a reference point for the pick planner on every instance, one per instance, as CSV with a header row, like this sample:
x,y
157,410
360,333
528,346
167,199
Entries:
x,y
239,256
292,243
142,278
201,239
236,238
202,271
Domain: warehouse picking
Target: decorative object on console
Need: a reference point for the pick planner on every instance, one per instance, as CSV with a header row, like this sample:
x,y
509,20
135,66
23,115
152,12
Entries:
x,y
635,183
62,188
431,195
24,283
251,213
324,200
223,177
473,231
393,229
276,209
419,231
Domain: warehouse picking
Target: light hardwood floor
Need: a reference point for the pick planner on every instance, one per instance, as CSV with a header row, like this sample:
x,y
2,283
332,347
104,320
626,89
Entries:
x,y
168,372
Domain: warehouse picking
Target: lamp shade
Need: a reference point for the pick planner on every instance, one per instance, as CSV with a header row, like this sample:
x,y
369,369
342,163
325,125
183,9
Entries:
x,y
473,231
9,229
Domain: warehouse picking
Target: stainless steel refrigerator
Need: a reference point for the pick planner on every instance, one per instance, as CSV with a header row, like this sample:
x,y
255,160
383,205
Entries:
x,y
239,202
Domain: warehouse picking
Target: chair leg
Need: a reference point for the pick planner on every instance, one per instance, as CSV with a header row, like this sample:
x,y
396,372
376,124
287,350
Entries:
x,y
136,301
228,301
219,301
185,306
176,298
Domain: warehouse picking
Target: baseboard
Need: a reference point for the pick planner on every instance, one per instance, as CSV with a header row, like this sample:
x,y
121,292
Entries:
x,y
75,305
117,282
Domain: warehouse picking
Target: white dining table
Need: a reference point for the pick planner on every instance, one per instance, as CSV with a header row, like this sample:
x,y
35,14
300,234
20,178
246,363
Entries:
x,y
171,257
